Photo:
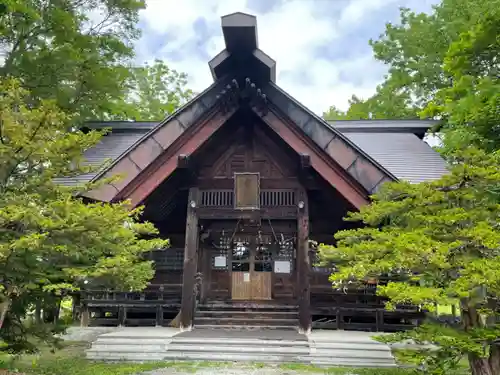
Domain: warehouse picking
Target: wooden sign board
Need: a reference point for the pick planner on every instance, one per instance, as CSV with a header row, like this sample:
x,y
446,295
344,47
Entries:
x,y
247,191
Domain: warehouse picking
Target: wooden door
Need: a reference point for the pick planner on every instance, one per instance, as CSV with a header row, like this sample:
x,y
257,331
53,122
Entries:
x,y
262,268
241,260
251,268
261,285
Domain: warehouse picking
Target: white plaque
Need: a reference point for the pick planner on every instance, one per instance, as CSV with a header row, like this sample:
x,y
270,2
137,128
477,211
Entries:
x,y
220,261
281,266
246,277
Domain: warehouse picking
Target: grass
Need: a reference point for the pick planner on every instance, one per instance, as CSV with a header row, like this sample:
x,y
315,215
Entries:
x,y
71,361
310,369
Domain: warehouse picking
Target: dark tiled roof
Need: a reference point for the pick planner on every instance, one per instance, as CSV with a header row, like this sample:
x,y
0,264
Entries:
x,y
404,155
109,148
401,153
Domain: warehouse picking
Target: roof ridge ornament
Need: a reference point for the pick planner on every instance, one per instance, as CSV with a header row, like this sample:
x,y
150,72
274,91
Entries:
x,y
242,56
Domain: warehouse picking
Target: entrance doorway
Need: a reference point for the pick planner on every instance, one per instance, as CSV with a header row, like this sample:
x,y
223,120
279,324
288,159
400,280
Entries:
x,y
251,267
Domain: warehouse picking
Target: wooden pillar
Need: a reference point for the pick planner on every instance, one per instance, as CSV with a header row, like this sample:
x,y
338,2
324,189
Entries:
x,y
159,315
84,315
303,263
190,257
122,316
205,267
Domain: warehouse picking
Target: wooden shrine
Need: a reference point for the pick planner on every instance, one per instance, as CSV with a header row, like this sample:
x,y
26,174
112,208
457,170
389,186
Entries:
x,y
244,180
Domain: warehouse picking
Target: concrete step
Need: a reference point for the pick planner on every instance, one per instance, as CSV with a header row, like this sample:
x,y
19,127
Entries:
x,y
129,347
350,363
247,327
247,307
249,314
247,349
243,321
352,354
132,340
241,342
123,356
230,357
350,346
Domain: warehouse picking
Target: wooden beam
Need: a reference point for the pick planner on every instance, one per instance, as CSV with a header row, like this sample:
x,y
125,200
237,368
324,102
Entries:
x,y
327,168
190,260
305,161
303,263
183,161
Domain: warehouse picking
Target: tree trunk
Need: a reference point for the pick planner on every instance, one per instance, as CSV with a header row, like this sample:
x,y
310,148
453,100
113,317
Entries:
x,y
4,309
480,366
472,319
494,359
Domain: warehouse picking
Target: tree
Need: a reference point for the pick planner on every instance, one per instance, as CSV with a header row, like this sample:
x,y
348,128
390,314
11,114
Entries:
x,y
470,107
152,92
76,52
50,239
442,65
387,103
442,240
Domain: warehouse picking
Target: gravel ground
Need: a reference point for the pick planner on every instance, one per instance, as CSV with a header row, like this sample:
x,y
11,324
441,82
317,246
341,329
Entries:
x,y
235,370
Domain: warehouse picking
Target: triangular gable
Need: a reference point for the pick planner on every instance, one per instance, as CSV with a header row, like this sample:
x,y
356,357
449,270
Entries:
x,y
144,152
154,157
365,170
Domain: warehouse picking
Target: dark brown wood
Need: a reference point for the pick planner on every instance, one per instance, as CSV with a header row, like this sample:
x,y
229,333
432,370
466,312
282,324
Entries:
x,y
205,268
122,315
159,315
264,213
190,257
183,161
305,161
320,161
163,166
84,315
303,263
246,191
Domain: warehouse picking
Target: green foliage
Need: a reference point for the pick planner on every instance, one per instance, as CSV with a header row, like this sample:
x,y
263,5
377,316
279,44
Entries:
x,y
442,240
152,92
79,53
50,240
442,65
72,51
388,102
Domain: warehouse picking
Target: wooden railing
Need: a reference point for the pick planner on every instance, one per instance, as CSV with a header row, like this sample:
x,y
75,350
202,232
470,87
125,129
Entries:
x,y
224,198
148,308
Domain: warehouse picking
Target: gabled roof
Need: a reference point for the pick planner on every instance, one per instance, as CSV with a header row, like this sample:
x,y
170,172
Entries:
x,y
141,149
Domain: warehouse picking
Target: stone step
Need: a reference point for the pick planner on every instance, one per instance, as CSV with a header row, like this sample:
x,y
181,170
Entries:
x,y
243,321
249,349
124,356
246,307
350,346
129,348
352,354
349,363
241,342
246,327
132,340
250,314
230,357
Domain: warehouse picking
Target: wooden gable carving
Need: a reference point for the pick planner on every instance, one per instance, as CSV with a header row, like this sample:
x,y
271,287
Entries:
x,y
256,156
